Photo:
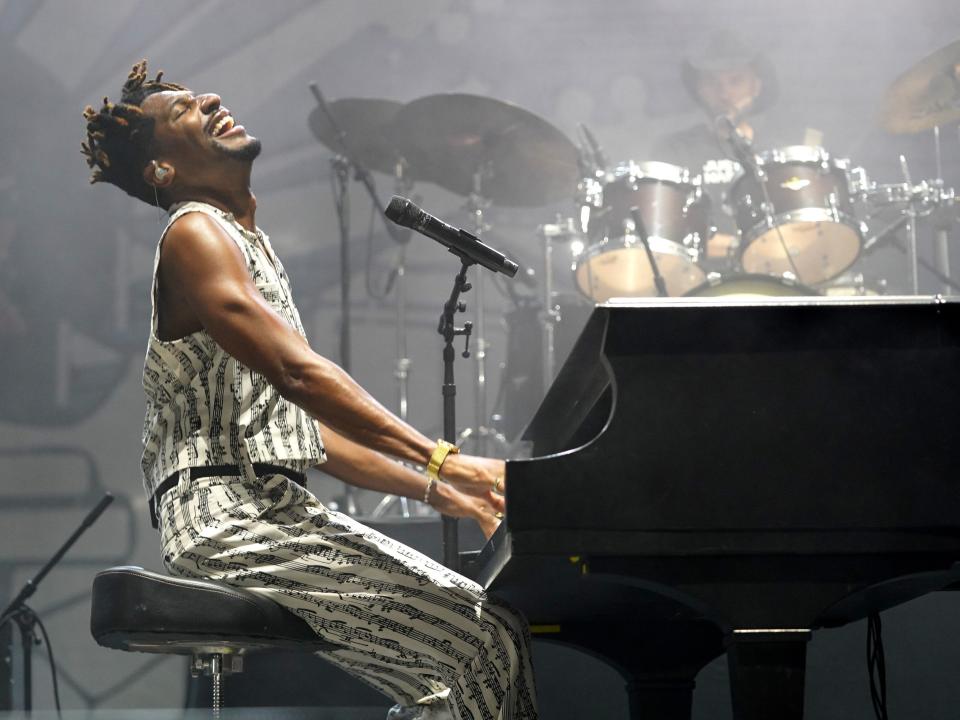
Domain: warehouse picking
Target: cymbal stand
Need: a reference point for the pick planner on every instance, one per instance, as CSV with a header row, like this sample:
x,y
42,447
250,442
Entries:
x,y
342,164
402,369
912,216
476,205
551,311
941,232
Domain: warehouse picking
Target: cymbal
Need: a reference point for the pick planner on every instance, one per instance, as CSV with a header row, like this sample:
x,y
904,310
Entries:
x,y
366,124
926,95
524,161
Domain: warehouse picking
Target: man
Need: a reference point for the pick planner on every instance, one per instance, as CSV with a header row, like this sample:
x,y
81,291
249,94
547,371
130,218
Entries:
x,y
731,83
235,402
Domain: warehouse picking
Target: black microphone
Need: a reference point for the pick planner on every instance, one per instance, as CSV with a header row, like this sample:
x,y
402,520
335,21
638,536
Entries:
x,y
641,230
598,157
459,242
638,225
742,150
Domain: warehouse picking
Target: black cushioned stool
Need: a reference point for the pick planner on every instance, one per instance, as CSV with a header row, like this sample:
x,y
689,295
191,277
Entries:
x,y
141,611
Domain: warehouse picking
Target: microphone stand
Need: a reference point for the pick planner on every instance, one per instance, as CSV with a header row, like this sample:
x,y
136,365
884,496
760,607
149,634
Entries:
x,y
743,152
25,618
342,164
448,329
641,231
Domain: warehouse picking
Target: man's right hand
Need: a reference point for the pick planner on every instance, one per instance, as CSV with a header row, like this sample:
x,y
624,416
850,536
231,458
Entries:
x,y
449,501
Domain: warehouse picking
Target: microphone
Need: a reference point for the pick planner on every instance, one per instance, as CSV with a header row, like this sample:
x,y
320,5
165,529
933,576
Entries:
x,y
641,230
638,225
459,242
599,159
742,150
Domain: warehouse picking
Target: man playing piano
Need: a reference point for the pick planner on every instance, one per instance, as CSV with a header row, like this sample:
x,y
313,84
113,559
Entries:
x,y
237,403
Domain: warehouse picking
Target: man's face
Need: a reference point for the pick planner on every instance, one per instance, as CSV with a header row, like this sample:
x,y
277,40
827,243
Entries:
x,y
728,92
196,134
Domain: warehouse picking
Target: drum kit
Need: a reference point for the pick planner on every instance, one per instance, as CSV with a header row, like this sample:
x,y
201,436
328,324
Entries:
x,y
805,218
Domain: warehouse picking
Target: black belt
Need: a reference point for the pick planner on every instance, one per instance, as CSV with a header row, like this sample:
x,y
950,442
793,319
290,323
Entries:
x,y
216,471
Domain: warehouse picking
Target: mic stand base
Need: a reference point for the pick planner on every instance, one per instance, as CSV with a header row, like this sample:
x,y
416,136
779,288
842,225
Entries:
x,y
26,619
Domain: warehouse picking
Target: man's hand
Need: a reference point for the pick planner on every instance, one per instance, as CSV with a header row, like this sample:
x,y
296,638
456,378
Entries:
x,y
477,476
451,502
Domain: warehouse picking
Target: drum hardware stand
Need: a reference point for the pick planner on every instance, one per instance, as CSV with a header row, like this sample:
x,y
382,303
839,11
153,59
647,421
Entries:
x,y
26,619
912,215
402,369
941,234
551,311
342,163
476,204
641,231
924,199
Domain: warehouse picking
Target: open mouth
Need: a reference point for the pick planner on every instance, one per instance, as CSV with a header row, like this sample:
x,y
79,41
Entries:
x,y
222,125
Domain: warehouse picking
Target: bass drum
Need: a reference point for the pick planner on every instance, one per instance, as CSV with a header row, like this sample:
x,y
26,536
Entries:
x,y
808,206
750,286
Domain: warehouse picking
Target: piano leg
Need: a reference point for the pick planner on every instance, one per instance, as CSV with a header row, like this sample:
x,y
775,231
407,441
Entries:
x,y
767,671
660,698
658,659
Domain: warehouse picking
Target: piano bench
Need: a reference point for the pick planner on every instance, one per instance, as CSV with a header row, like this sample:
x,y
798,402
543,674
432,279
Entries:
x,y
216,624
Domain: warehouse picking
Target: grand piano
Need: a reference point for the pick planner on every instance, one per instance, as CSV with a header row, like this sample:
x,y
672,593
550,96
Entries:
x,y
728,478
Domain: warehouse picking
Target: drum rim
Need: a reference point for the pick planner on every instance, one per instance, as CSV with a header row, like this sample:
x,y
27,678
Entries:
x,y
806,154
656,170
717,279
677,249
805,214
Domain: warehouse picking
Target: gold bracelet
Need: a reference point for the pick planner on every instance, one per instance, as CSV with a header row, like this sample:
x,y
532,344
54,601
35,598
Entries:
x,y
440,453
426,494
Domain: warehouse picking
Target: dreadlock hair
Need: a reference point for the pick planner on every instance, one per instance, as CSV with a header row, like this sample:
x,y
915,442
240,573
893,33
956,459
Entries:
x,y
120,135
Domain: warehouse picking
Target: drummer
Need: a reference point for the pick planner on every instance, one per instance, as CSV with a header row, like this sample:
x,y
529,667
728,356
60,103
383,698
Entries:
x,y
726,79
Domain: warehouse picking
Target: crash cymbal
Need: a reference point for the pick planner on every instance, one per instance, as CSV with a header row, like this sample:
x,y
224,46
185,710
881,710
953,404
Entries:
x,y
366,124
926,95
524,160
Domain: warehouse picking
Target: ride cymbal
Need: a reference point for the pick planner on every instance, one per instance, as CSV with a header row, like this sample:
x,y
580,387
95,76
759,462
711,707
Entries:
x,y
926,95
522,160
368,136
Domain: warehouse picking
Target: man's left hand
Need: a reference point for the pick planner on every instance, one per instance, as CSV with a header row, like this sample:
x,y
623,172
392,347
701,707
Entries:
x,y
477,476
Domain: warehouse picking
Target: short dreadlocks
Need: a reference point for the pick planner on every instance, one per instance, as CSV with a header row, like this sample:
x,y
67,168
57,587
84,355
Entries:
x,y
120,135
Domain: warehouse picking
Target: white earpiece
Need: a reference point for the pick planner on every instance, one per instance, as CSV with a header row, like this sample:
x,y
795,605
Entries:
x,y
160,173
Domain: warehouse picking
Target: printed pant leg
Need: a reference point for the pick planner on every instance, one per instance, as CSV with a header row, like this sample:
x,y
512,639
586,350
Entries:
x,y
408,626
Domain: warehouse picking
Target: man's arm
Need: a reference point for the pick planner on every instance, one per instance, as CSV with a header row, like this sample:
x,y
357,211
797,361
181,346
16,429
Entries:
x,y
367,469
202,267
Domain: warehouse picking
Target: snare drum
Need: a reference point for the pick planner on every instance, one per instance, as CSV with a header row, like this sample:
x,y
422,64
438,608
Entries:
x,y
750,286
675,213
808,207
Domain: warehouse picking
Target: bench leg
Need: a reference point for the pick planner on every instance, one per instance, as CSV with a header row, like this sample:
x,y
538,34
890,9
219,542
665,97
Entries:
x,y
216,665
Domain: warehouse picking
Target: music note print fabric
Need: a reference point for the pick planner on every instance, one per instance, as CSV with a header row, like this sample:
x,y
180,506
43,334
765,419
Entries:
x,y
406,625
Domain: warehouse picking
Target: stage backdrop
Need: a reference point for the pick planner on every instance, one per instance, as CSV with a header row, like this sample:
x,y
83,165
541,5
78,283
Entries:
x,y
75,260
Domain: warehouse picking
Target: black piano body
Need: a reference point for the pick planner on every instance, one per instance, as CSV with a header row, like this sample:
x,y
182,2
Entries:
x,y
713,478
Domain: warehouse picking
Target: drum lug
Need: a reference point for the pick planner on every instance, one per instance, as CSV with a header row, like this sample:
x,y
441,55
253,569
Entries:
x,y
768,212
834,210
